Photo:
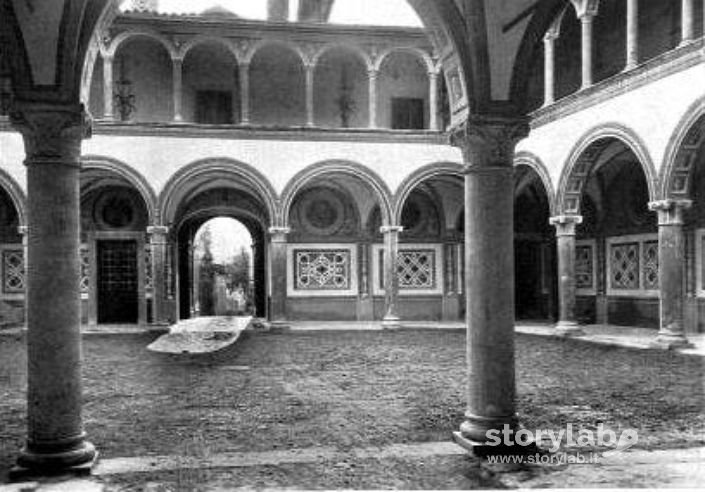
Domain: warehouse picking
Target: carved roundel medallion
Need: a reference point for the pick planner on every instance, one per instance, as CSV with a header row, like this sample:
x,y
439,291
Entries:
x,y
322,212
115,209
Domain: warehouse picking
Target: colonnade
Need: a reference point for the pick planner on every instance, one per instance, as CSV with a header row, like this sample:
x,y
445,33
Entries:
x,y
52,136
671,261
586,11
244,91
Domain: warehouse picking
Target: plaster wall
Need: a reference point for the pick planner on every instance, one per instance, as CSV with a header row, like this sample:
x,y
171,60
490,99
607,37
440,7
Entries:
x,y
652,112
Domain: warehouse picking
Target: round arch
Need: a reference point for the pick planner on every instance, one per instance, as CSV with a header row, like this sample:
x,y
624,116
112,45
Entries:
x,y
123,37
222,167
524,158
681,151
203,39
130,175
302,178
351,48
14,191
424,57
265,43
584,155
419,176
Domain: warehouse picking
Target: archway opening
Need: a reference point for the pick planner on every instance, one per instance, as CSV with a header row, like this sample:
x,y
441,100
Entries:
x,y
535,289
116,276
12,266
617,243
430,259
223,266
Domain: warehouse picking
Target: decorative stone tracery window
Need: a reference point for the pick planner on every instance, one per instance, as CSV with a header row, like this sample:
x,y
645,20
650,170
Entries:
x,y
13,272
85,257
419,269
632,265
585,278
322,270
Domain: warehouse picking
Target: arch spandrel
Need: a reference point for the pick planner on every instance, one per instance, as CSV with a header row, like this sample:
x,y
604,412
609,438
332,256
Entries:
x,y
584,156
224,170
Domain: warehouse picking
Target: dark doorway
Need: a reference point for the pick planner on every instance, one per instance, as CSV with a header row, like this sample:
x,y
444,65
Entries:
x,y
214,107
407,113
118,297
533,267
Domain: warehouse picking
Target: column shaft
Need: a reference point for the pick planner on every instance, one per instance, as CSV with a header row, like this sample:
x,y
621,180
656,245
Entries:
x,y
433,101
671,259
108,113
372,76
244,93
391,277
565,233
549,70
278,276
687,21
52,136
586,30
178,88
632,34
488,148
310,118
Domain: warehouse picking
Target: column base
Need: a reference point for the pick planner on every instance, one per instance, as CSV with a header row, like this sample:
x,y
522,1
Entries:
x,y
481,449
279,326
569,329
669,341
391,323
46,460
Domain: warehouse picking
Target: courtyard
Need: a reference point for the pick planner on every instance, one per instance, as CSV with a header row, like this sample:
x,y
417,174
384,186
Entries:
x,y
342,391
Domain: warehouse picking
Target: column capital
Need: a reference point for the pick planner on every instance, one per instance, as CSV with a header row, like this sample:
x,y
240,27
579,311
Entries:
x,y
23,230
489,141
670,211
586,9
157,230
372,73
279,234
391,229
52,133
565,224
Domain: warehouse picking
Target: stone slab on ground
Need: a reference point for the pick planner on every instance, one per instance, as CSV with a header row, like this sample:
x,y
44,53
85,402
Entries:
x,y
201,335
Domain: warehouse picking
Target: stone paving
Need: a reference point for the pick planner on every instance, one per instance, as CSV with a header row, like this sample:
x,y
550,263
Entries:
x,y
661,468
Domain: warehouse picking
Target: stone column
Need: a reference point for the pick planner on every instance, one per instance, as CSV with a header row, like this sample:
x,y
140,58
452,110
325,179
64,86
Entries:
x,y
108,112
433,101
52,137
632,34
586,30
159,243
488,151
391,277
277,264
565,234
310,71
372,75
177,64
671,275
549,68
687,21
244,93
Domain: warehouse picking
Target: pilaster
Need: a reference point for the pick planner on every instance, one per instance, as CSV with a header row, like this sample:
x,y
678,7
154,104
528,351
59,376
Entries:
x,y
108,112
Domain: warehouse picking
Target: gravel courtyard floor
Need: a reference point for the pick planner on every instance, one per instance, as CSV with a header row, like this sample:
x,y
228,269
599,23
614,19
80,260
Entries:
x,y
349,390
